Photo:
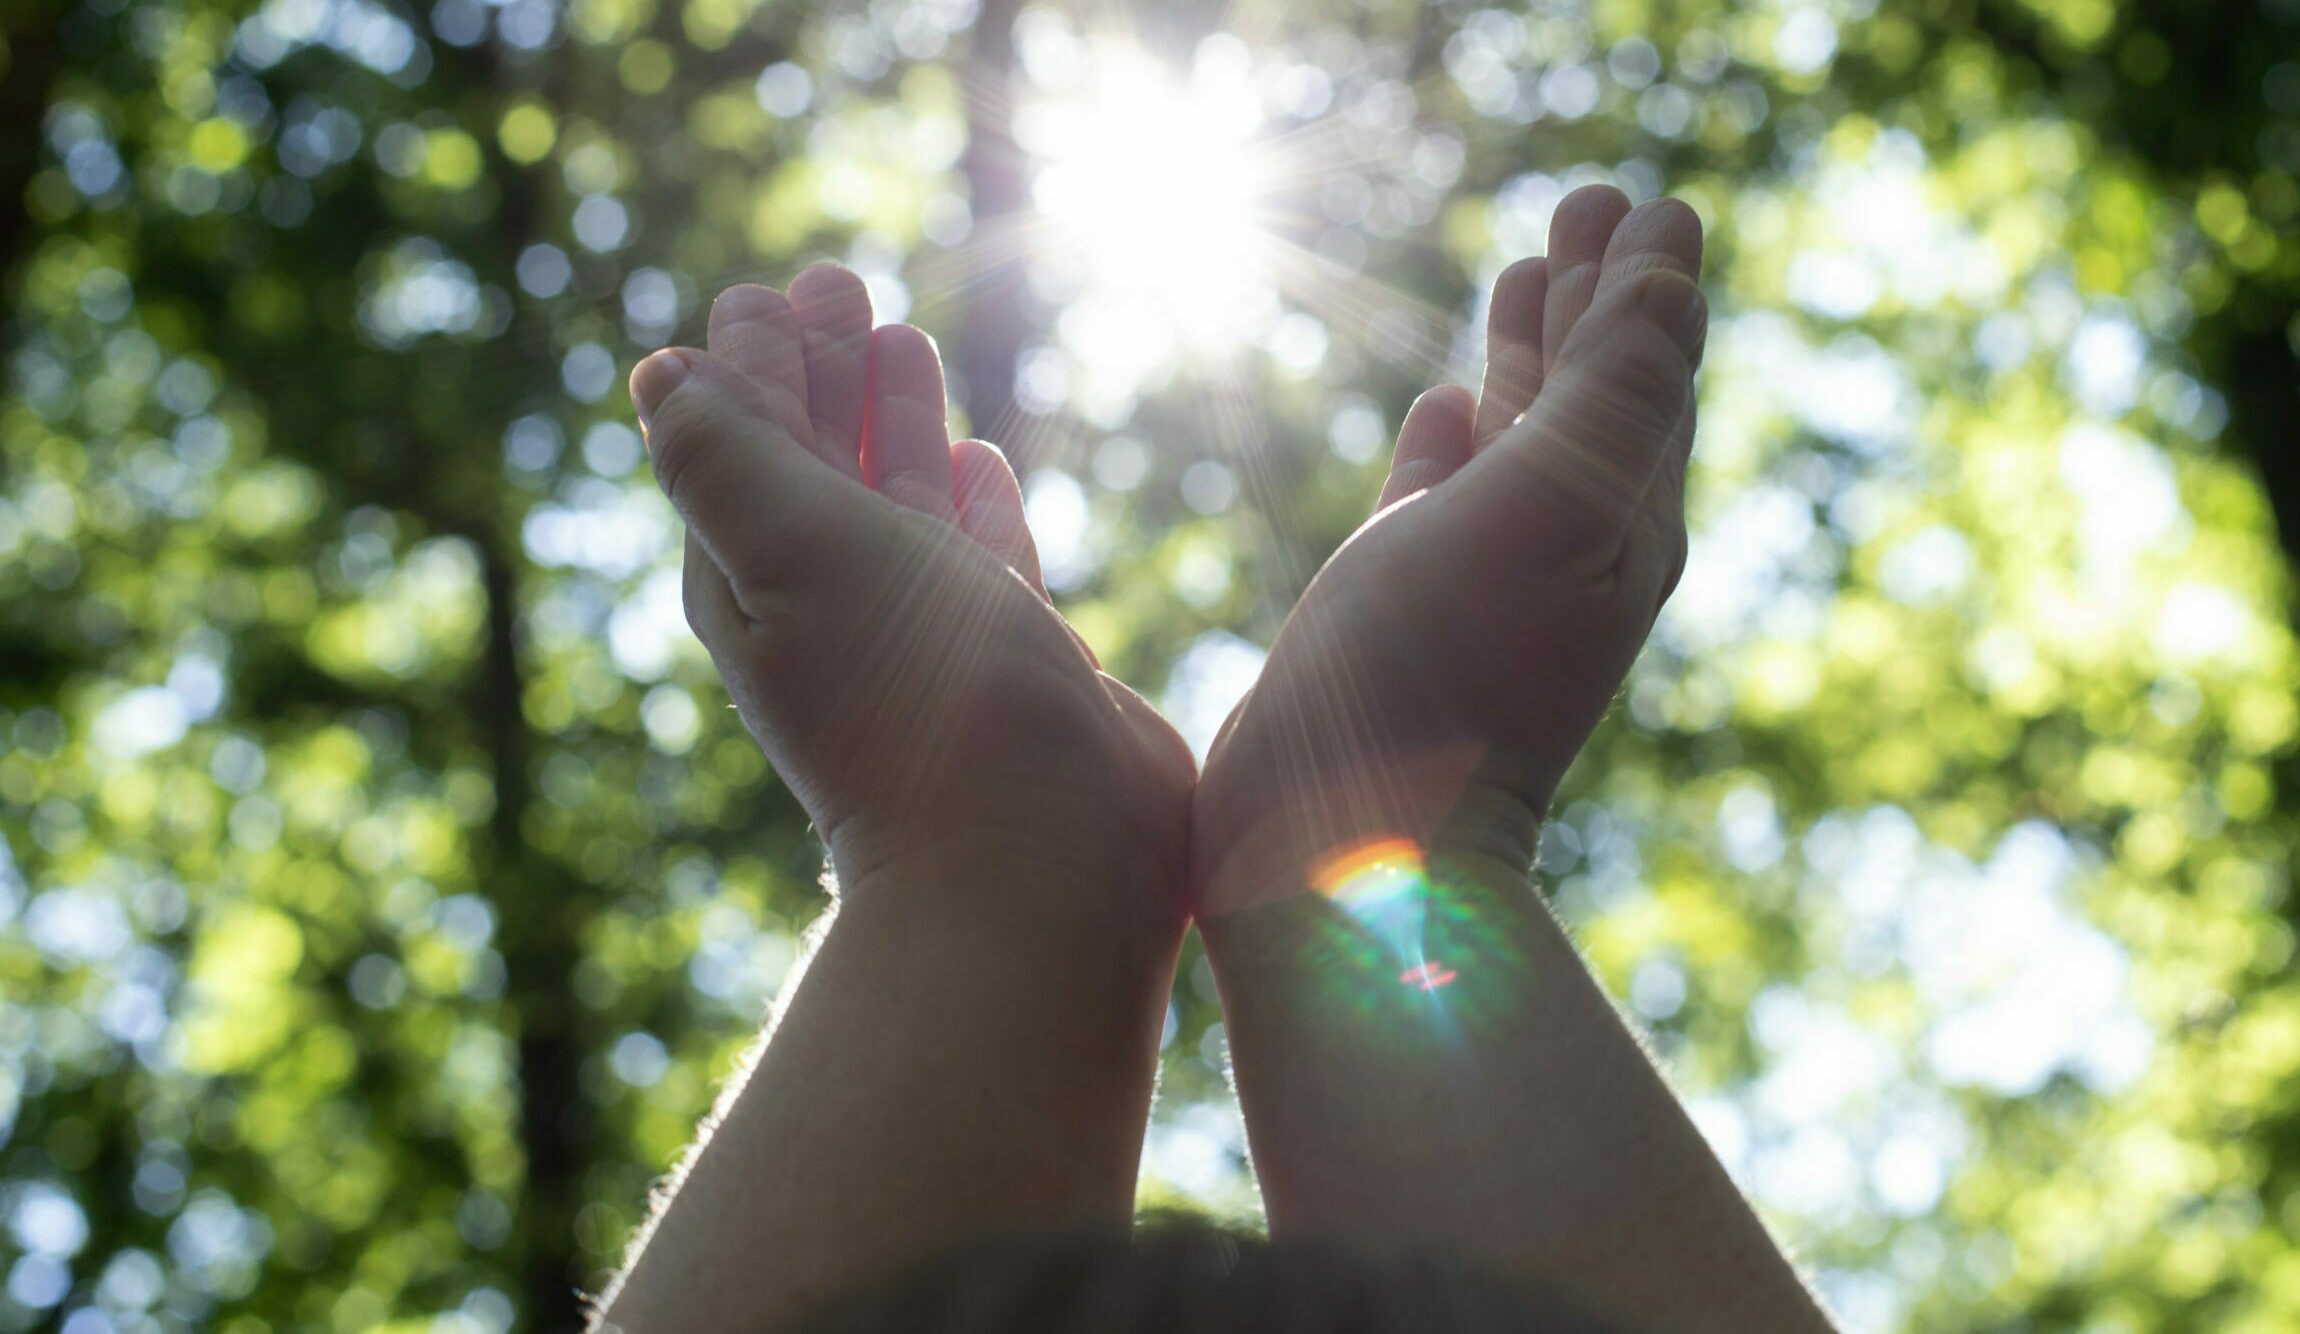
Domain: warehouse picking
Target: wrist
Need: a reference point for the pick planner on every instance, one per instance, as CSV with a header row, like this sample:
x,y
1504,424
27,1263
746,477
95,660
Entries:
x,y
1095,872
1478,831
1033,930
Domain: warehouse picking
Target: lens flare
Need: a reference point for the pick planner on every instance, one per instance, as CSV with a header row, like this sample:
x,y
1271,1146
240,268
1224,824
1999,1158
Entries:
x,y
1150,194
1427,976
1383,884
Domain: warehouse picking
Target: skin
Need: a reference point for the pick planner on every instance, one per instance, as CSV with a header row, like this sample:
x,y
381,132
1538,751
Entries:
x,y
1431,687
1006,825
891,651
1443,669
971,1048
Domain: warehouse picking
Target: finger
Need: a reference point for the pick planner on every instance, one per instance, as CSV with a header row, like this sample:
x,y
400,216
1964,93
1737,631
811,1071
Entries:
x,y
1512,347
990,511
834,322
1433,442
1658,234
1578,234
990,508
1608,416
726,464
906,441
754,330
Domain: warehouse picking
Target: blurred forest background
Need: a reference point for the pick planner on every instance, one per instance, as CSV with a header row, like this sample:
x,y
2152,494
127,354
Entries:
x,y
384,884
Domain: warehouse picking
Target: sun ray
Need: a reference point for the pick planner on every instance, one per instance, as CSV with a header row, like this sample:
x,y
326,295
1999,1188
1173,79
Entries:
x,y
1152,193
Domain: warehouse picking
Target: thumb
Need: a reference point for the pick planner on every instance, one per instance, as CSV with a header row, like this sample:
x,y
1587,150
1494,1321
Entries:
x,y
746,489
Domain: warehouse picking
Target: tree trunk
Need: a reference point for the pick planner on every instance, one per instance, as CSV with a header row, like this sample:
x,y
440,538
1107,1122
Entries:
x,y
997,320
536,908
28,65
2262,376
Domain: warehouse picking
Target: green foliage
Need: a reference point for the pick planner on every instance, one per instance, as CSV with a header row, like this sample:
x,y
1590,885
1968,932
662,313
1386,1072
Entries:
x,y
386,887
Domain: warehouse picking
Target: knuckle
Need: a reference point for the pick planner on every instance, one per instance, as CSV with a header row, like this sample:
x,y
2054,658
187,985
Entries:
x,y
1653,375
1639,393
917,489
782,404
1622,269
1515,369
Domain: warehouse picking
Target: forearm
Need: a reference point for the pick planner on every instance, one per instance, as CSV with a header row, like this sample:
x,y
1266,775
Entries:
x,y
1484,1098
958,1059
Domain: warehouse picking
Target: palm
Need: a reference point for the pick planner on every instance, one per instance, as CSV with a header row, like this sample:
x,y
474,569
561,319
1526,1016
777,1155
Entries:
x,y
1442,670
1397,694
871,595
927,684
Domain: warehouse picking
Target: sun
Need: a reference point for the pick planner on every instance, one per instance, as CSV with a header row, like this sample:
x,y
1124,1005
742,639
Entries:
x,y
1151,198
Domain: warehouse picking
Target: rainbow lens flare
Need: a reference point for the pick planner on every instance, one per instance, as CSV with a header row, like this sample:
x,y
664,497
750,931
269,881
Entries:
x,y
1427,976
1383,884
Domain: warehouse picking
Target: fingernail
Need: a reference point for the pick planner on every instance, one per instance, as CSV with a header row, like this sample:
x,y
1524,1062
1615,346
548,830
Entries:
x,y
653,379
1674,302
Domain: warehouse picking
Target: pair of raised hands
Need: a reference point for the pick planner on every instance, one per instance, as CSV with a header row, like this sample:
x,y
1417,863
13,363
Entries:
x,y
1020,839
871,594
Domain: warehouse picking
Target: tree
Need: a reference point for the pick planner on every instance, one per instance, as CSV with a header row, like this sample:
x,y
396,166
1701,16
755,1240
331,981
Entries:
x,y
385,886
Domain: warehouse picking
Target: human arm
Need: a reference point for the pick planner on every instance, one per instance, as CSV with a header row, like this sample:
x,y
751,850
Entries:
x,y
1507,1115
971,1047
1422,1059
969,1051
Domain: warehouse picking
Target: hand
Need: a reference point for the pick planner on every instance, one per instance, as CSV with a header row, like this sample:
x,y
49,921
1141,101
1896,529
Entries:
x,y
972,1044
1475,1092
1446,665
871,596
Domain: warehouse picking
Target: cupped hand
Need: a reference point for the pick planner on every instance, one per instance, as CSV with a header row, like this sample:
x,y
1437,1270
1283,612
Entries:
x,y
871,595
1443,669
